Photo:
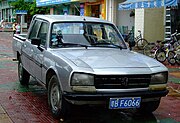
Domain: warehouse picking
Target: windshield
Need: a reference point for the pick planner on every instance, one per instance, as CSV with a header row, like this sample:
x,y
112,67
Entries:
x,y
85,34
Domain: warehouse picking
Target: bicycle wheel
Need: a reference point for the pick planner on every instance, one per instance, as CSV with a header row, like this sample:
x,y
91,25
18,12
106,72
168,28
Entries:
x,y
141,43
149,50
176,45
160,55
171,57
177,58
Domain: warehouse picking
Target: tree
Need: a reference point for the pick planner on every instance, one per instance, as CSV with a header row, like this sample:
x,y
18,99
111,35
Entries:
x,y
29,6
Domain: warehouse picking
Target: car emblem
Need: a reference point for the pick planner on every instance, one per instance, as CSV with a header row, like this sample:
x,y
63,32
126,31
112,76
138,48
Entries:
x,y
124,81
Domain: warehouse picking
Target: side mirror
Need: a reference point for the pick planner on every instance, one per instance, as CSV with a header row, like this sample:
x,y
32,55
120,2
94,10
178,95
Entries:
x,y
36,41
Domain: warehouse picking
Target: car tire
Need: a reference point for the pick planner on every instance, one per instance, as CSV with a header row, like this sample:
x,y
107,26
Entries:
x,y
58,105
149,107
23,75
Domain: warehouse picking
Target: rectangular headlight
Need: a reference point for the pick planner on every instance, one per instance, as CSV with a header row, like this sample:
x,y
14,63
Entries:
x,y
159,78
82,79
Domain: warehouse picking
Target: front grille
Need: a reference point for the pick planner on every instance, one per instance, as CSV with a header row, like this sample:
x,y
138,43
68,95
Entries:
x,y
121,81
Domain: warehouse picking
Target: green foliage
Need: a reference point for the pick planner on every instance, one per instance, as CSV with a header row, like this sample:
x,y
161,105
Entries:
x,y
30,7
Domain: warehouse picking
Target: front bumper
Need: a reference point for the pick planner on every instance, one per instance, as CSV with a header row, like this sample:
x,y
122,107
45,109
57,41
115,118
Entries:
x,y
95,97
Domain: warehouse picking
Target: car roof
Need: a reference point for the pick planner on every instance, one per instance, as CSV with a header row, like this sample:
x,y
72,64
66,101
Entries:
x,y
70,18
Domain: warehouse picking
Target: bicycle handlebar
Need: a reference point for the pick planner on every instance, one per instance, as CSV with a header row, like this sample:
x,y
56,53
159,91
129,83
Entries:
x,y
175,34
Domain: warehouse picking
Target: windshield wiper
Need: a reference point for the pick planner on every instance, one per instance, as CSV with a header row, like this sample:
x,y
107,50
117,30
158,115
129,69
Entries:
x,y
106,44
72,44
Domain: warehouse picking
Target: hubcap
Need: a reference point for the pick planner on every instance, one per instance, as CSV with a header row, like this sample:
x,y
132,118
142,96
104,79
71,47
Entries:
x,y
55,97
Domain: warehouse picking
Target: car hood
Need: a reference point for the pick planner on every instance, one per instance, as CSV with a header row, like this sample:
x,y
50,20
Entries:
x,y
108,58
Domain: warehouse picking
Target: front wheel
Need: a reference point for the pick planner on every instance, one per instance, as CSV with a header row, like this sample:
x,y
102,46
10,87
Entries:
x,y
160,55
57,103
23,74
141,43
171,57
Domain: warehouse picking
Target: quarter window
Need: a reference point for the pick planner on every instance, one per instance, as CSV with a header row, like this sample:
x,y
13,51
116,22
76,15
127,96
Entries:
x,y
34,29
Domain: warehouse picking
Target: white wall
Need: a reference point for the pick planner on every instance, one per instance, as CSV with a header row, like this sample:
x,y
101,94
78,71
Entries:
x,y
149,21
154,24
139,21
111,10
123,18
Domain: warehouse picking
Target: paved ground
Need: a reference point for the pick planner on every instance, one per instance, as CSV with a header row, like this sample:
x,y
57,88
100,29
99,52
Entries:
x,y
19,104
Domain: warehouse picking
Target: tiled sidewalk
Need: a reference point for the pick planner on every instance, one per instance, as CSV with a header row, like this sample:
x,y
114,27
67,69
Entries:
x,y
4,118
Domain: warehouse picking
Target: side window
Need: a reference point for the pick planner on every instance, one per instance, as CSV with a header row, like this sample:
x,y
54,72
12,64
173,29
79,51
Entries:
x,y
43,33
34,29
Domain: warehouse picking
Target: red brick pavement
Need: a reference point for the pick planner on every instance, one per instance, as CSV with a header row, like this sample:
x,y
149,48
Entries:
x,y
26,107
20,104
29,105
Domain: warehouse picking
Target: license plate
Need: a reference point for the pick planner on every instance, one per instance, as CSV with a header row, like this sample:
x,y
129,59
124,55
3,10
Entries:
x,y
127,102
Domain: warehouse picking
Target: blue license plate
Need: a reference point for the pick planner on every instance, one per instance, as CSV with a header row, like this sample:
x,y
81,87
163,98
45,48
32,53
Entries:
x,y
127,102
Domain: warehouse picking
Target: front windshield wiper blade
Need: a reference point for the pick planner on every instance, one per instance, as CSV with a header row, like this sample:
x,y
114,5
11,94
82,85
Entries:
x,y
106,44
72,44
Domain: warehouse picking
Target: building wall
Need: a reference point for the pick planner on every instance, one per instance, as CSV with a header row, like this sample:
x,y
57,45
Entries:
x,y
89,9
6,11
154,24
139,21
151,23
110,10
123,19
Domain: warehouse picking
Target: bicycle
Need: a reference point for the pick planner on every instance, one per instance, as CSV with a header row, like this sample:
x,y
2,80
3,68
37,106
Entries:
x,y
151,48
174,57
140,41
166,51
162,50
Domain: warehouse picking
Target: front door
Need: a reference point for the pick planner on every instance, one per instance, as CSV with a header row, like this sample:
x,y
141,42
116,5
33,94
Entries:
x,y
38,55
27,48
39,30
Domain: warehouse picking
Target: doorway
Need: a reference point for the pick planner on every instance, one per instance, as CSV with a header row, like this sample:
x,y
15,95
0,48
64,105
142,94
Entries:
x,y
95,11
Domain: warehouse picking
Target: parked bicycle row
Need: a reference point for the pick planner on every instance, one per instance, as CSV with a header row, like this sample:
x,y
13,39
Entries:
x,y
168,50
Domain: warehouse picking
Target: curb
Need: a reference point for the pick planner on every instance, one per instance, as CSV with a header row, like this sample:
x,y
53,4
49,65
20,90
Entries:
x,y
4,118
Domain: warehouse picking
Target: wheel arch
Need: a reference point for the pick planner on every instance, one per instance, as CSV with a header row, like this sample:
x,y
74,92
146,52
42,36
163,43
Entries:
x,y
49,74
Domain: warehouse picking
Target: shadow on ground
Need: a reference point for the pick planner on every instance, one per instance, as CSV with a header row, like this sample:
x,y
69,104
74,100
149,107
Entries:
x,y
92,114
